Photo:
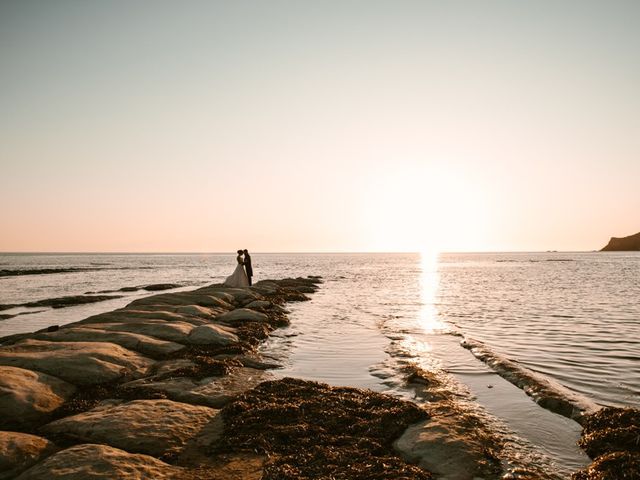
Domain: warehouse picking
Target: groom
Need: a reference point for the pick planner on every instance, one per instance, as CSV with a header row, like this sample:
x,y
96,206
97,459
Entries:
x,y
247,265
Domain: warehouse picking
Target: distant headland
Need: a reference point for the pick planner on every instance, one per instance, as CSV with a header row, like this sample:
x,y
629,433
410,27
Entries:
x,y
630,243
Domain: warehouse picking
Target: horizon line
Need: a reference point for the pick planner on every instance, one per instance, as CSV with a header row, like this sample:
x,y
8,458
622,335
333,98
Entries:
x,y
279,252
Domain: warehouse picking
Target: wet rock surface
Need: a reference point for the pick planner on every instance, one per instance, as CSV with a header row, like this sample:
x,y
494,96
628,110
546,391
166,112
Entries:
x,y
611,437
452,444
62,302
149,288
41,271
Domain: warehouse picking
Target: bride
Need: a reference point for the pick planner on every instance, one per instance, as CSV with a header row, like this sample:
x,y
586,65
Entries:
x,y
239,277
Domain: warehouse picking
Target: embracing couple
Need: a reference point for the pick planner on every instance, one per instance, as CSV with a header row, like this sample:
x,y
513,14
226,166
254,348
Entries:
x,y
240,277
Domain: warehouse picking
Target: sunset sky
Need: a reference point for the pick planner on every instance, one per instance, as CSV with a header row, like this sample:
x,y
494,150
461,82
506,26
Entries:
x,y
202,126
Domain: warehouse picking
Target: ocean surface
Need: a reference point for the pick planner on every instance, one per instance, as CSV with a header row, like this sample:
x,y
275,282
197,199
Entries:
x,y
572,317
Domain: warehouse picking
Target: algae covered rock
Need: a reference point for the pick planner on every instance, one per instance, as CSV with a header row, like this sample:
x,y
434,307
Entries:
x,y
79,363
19,451
27,397
153,427
100,462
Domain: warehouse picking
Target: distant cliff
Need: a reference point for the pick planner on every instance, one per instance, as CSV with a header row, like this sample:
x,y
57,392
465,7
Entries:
x,y
630,243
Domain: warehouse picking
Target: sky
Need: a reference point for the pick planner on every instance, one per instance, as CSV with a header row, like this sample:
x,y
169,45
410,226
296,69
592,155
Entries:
x,y
311,126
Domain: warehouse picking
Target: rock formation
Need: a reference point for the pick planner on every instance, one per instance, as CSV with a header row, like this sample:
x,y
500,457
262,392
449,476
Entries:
x,y
173,387
624,244
136,392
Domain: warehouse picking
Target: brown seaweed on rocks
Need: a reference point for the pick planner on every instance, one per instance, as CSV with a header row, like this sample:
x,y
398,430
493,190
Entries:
x,y
89,397
310,430
612,466
611,437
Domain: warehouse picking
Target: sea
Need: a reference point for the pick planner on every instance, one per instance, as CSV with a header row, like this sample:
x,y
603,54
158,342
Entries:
x,y
570,318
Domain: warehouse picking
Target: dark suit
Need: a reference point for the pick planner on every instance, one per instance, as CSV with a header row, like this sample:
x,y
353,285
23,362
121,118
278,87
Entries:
x,y
247,266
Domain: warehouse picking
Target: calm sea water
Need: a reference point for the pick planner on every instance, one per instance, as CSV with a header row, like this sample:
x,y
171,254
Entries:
x,y
573,317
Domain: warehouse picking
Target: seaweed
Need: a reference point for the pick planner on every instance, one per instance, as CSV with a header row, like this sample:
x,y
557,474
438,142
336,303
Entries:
x,y
204,367
611,429
612,466
312,430
611,436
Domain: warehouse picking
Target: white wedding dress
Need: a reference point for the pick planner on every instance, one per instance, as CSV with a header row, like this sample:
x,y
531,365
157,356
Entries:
x,y
239,277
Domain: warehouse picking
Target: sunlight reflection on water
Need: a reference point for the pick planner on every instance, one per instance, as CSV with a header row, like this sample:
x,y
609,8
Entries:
x,y
430,283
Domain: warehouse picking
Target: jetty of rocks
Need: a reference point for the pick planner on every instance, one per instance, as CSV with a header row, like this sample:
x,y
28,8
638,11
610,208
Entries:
x,y
137,392
173,387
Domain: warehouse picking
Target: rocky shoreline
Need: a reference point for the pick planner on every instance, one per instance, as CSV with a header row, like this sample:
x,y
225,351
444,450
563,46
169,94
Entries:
x,y
172,386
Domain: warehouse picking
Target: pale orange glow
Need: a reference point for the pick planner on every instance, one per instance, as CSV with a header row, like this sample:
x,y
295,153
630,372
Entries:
x,y
318,126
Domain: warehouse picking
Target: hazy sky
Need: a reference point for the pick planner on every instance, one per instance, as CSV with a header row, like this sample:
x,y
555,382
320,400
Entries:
x,y
318,125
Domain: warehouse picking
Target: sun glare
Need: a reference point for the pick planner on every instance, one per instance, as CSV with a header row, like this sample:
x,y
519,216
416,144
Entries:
x,y
423,210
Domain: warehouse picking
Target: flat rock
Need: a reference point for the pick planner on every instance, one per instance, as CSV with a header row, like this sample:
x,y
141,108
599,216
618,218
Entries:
x,y
213,392
79,363
179,389
128,315
99,462
153,427
173,332
178,298
442,447
217,292
132,341
242,315
259,304
240,381
161,286
27,398
165,368
198,311
20,451
211,335
265,288
243,295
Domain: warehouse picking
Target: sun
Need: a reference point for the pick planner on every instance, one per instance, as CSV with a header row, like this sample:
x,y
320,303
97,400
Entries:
x,y
423,209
